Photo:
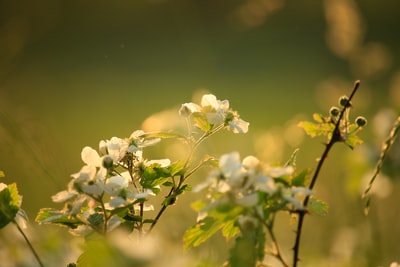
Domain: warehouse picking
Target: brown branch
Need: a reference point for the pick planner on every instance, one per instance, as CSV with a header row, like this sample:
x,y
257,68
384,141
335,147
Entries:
x,y
336,137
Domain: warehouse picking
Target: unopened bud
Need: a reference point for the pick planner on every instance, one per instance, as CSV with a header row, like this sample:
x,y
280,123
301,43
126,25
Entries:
x,y
361,121
108,162
334,111
344,101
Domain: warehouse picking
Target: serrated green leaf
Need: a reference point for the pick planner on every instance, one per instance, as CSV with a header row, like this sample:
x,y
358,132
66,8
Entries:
x,y
52,216
201,232
317,207
9,204
316,129
319,118
352,140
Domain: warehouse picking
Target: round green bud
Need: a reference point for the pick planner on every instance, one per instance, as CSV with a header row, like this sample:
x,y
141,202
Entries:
x,y
334,111
344,101
108,162
361,121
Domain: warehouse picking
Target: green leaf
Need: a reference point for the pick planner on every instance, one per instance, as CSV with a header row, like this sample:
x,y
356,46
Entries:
x,y
352,139
301,178
243,253
317,207
230,229
2,174
200,120
317,129
198,205
96,219
53,216
162,135
201,232
154,175
9,204
177,168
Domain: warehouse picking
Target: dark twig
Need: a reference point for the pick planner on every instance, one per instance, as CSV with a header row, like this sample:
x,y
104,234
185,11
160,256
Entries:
x,y
336,137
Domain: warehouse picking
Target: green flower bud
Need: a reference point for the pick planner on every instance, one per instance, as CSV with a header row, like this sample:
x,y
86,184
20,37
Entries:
x,y
108,162
334,111
361,121
344,101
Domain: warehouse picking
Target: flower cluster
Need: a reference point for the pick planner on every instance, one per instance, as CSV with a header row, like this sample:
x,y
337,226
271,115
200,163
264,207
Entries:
x,y
115,183
99,187
249,184
214,113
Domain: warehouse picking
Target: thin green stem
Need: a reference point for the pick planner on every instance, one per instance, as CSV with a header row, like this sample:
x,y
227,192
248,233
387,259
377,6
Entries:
x,y
184,176
336,137
29,244
277,251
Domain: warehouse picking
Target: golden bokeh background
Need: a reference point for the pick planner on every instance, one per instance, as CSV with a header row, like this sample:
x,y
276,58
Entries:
x,y
75,72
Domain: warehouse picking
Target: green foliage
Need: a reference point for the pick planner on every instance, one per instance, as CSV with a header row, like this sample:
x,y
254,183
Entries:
x,y
318,207
223,218
53,216
9,204
322,126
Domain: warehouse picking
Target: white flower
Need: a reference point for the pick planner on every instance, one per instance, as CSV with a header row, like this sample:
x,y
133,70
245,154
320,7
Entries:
x,y
116,148
230,164
214,109
115,184
265,184
89,181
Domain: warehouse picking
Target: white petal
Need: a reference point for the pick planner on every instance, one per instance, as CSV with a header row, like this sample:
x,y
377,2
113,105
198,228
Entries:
x,y
136,134
188,108
230,163
239,126
215,118
63,196
248,200
209,100
250,162
2,186
162,162
90,156
81,230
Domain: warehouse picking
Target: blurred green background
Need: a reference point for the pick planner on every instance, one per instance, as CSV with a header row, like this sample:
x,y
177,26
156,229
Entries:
x,y
75,72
